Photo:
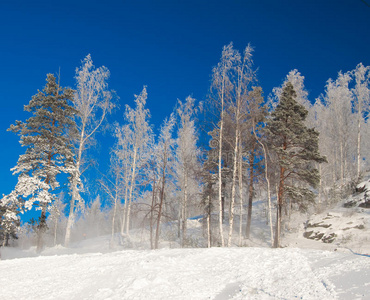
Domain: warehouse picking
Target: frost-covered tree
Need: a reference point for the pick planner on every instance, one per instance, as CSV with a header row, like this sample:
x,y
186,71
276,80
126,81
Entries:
x,y
296,147
93,101
164,158
57,215
297,80
49,150
239,112
251,151
361,93
113,185
9,223
338,138
187,162
135,140
221,87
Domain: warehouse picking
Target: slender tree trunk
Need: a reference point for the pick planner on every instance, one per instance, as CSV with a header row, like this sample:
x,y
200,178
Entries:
x,y
342,162
124,209
132,183
220,184
152,216
279,209
220,200
359,146
114,210
240,193
268,185
184,210
75,193
209,222
251,191
320,186
41,230
161,200
233,188
55,231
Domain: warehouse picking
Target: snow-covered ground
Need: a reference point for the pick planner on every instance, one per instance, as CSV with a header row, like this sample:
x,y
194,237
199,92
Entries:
x,y
215,273
305,269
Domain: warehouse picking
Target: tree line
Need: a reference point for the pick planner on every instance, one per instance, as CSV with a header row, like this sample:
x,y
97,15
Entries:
x,y
208,160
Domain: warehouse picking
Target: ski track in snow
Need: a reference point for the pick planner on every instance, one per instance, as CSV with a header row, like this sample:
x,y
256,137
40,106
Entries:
x,y
216,273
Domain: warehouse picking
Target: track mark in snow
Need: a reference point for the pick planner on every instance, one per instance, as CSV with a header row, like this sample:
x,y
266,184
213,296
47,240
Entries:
x,y
230,290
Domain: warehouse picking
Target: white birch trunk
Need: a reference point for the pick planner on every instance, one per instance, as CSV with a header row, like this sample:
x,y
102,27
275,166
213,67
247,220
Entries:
x,y
233,189
359,146
75,194
184,208
220,169
240,195
133,174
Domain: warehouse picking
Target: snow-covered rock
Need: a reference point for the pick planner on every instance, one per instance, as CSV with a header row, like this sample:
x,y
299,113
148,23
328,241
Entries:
x,y
345,225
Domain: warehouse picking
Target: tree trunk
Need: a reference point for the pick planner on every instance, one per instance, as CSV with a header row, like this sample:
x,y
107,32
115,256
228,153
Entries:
x,y
359,147
240,194
184,210
233,188
124,210
279,209
55,231
114,216
75,194
268,184
221,200
152,216
132,183
209,223
251,191
41,230
161,200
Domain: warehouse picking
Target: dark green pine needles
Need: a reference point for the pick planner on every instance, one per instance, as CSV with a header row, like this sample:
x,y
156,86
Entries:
x,y
296,148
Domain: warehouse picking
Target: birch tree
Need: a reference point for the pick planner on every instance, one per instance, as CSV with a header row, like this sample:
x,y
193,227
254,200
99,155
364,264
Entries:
x,y
187,161
113,187
243,78
339,126
361,93
221,87
136,139
164,156
93,101
56,215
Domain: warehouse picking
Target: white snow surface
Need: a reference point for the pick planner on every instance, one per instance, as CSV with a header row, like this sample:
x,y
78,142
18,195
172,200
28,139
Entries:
x,y
214,273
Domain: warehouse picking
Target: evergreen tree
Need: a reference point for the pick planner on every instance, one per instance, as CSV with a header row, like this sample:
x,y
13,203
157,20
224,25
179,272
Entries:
x,y
9,223
296,148
49,151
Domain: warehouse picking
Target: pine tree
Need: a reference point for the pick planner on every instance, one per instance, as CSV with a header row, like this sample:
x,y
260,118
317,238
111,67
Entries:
x,y
49,151
9,223
296,148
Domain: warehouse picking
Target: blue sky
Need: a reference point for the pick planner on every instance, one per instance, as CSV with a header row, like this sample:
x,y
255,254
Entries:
x,y
170,46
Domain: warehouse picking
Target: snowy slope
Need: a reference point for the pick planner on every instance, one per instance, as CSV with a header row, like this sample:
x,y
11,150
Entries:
x,y
345,225
216,273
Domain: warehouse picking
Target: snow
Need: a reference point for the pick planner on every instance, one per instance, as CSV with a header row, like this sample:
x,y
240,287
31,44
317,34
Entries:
x,y
304,269
208,273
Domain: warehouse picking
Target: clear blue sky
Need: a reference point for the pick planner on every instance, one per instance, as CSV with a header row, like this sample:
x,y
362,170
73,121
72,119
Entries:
x,y
170,46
